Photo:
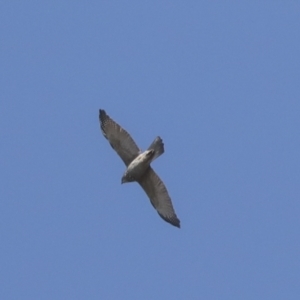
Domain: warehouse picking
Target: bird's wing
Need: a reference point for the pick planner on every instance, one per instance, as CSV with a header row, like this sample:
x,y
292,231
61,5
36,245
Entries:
x,y
119,138
159,197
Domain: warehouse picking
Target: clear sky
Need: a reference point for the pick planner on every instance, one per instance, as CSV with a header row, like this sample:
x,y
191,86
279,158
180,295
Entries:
x,y
218,81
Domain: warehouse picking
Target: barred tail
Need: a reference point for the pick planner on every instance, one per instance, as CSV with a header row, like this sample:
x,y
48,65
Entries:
x,y
158,146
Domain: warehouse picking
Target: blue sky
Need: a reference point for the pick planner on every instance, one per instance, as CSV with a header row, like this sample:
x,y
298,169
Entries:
x,y
218,81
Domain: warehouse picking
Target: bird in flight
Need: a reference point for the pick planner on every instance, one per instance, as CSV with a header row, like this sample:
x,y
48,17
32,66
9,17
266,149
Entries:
x,y
138,166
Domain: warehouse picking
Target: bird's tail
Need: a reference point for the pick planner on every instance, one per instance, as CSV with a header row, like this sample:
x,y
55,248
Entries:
x,y
158,147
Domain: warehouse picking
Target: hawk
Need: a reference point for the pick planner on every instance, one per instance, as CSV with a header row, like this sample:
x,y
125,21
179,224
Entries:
x,y
138,166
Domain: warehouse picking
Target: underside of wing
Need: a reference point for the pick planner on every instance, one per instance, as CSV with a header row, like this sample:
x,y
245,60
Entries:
x,y
159,197
119,138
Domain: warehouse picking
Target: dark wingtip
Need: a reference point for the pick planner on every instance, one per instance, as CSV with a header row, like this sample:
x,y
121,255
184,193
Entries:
x,y
177,223
102,114
103,119
172,220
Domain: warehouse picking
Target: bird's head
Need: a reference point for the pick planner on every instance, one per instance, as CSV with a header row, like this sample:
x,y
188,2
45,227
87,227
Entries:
x,y
126,178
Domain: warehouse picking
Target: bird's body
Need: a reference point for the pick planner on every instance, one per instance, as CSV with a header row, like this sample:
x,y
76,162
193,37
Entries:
x,y
141,163
138,166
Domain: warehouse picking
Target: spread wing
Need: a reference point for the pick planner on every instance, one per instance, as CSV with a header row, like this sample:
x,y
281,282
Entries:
x,y
159,197
119,138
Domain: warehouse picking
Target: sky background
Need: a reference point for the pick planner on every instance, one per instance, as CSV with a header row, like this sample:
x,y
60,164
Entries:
x,y
218,81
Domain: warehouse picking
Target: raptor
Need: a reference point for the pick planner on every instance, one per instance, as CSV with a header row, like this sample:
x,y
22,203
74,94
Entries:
x,y
138,166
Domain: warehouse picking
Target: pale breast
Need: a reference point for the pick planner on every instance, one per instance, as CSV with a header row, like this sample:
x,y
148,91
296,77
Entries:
x,y
139,165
